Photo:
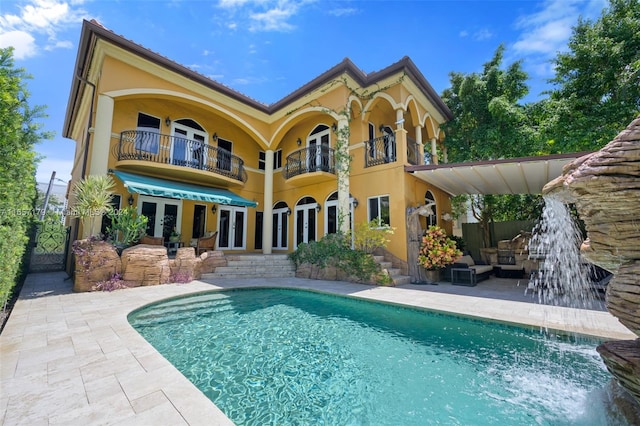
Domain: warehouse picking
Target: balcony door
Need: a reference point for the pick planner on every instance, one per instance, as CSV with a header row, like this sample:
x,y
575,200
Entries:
x,y
318,147
280,226
164,215
389,144
232,225
306,220
188,147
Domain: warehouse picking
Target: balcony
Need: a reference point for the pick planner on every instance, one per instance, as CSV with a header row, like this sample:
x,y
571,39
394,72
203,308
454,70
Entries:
x,y
380,150
315,161
178,157
383,150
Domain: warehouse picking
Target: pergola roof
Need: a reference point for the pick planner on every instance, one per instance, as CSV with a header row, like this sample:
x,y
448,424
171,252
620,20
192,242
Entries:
x,y
526,175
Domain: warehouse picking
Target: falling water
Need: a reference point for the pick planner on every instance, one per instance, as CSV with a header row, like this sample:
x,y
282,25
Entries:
x,y
563,276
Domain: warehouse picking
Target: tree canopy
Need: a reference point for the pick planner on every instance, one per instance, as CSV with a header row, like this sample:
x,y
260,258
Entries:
x,y
597,81
488,121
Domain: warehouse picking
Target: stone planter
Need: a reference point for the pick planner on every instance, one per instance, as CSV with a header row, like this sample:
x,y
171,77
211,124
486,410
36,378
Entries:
x,y
433,275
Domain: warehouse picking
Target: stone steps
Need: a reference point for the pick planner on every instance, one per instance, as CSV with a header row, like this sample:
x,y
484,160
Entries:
x,y
394,273
254,266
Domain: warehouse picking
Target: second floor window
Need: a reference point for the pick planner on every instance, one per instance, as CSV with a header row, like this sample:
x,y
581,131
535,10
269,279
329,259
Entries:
x,y
148,133
277,160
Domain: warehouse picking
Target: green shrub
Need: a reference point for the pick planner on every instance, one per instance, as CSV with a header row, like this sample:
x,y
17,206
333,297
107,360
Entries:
x,y
369,236
334,249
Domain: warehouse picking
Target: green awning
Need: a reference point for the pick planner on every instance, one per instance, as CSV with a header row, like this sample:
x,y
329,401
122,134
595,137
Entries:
x,y
146,185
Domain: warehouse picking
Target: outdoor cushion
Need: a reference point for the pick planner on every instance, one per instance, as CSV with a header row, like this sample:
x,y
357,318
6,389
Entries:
x,y
466,259
481,269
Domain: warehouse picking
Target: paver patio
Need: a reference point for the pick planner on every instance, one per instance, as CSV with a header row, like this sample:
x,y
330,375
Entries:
x,y
72,358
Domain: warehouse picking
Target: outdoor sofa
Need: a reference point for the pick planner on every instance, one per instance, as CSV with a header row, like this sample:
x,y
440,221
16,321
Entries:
x,y
465,271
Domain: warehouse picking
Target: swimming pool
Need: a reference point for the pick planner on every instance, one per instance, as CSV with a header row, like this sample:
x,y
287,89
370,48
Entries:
x,y
283,356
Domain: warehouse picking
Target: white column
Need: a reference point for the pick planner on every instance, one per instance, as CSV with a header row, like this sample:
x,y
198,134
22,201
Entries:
x,y
267,213
100,146
434,153
420,144
342,171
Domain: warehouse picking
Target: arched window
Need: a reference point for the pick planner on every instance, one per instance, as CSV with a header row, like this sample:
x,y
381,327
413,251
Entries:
x,y
433,219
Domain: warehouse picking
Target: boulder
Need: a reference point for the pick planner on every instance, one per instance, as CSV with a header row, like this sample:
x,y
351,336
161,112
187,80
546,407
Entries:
x,y
145,264
95,261
210,260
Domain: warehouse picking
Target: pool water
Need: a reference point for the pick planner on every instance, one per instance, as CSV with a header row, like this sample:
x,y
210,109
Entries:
x,y
294,357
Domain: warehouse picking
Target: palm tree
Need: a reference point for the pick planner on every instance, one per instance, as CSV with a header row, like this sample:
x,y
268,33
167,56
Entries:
x,y
93,199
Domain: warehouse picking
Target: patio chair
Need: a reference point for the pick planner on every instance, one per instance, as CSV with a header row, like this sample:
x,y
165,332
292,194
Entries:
x,y
154,241
206,243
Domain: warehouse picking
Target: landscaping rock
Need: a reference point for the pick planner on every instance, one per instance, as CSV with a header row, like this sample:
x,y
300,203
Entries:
x,y
98,261
210,260
145,264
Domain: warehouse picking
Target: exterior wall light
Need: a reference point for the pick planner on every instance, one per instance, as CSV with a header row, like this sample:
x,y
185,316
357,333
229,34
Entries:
x,y
167,121
299,141
214,209
318,208
288,211
130,199
355,203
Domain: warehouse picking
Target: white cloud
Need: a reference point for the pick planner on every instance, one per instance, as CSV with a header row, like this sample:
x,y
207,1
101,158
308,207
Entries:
x,y
22,42
38,25
547,31
346,11
261,15
477,35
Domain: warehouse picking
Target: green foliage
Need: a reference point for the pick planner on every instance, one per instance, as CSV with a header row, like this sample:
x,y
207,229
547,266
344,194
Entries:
x,y
334,249
93,199
488,122
20,132
597,81
369,236
127,227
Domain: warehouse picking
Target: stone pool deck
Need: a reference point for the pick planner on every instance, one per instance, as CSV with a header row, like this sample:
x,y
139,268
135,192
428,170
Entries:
x,y
73,359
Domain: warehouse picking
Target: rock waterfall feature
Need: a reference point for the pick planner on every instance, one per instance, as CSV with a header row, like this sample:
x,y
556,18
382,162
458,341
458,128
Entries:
x,y
605,188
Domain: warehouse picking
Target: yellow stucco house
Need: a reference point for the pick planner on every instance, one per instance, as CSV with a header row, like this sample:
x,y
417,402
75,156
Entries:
x,y
196,156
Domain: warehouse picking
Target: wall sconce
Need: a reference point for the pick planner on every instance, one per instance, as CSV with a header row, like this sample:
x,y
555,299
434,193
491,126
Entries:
x,y
355,203
167,121
214,209
215,137
334,127
318,208
130,199
381,127
288,211
299,141
447,217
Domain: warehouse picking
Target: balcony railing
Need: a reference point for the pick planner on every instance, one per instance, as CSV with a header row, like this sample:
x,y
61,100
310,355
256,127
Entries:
x,y
309,160
380,150
178,151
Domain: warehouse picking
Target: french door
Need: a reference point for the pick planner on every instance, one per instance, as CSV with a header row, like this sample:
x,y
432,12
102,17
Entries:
x,y
306,223
232,225
188,147
280,227
164,215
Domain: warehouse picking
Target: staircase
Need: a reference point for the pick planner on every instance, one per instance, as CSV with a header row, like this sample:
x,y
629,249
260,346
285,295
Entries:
x,y
254,266
394,273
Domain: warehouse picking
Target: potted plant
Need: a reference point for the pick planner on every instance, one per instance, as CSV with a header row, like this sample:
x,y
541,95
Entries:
x,y
174,237
436,252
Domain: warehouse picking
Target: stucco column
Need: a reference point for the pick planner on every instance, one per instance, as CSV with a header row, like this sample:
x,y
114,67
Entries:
x,y
401,138
434,153
101,136
342,172
420,144
267,213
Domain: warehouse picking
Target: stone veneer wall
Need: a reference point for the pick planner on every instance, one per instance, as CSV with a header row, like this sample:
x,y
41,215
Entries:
x,y
605,187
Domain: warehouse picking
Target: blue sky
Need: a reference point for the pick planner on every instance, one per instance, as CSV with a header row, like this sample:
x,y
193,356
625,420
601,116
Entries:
x,y
268,48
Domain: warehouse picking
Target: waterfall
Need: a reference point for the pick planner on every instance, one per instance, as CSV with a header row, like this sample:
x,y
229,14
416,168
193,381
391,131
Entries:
x,y
563,276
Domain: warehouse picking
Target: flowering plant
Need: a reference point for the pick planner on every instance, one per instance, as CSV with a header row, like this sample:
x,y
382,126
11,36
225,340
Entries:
x,y
437,250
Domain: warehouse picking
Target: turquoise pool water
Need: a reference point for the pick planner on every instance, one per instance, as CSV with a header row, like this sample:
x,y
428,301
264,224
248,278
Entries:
x,y
293,357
